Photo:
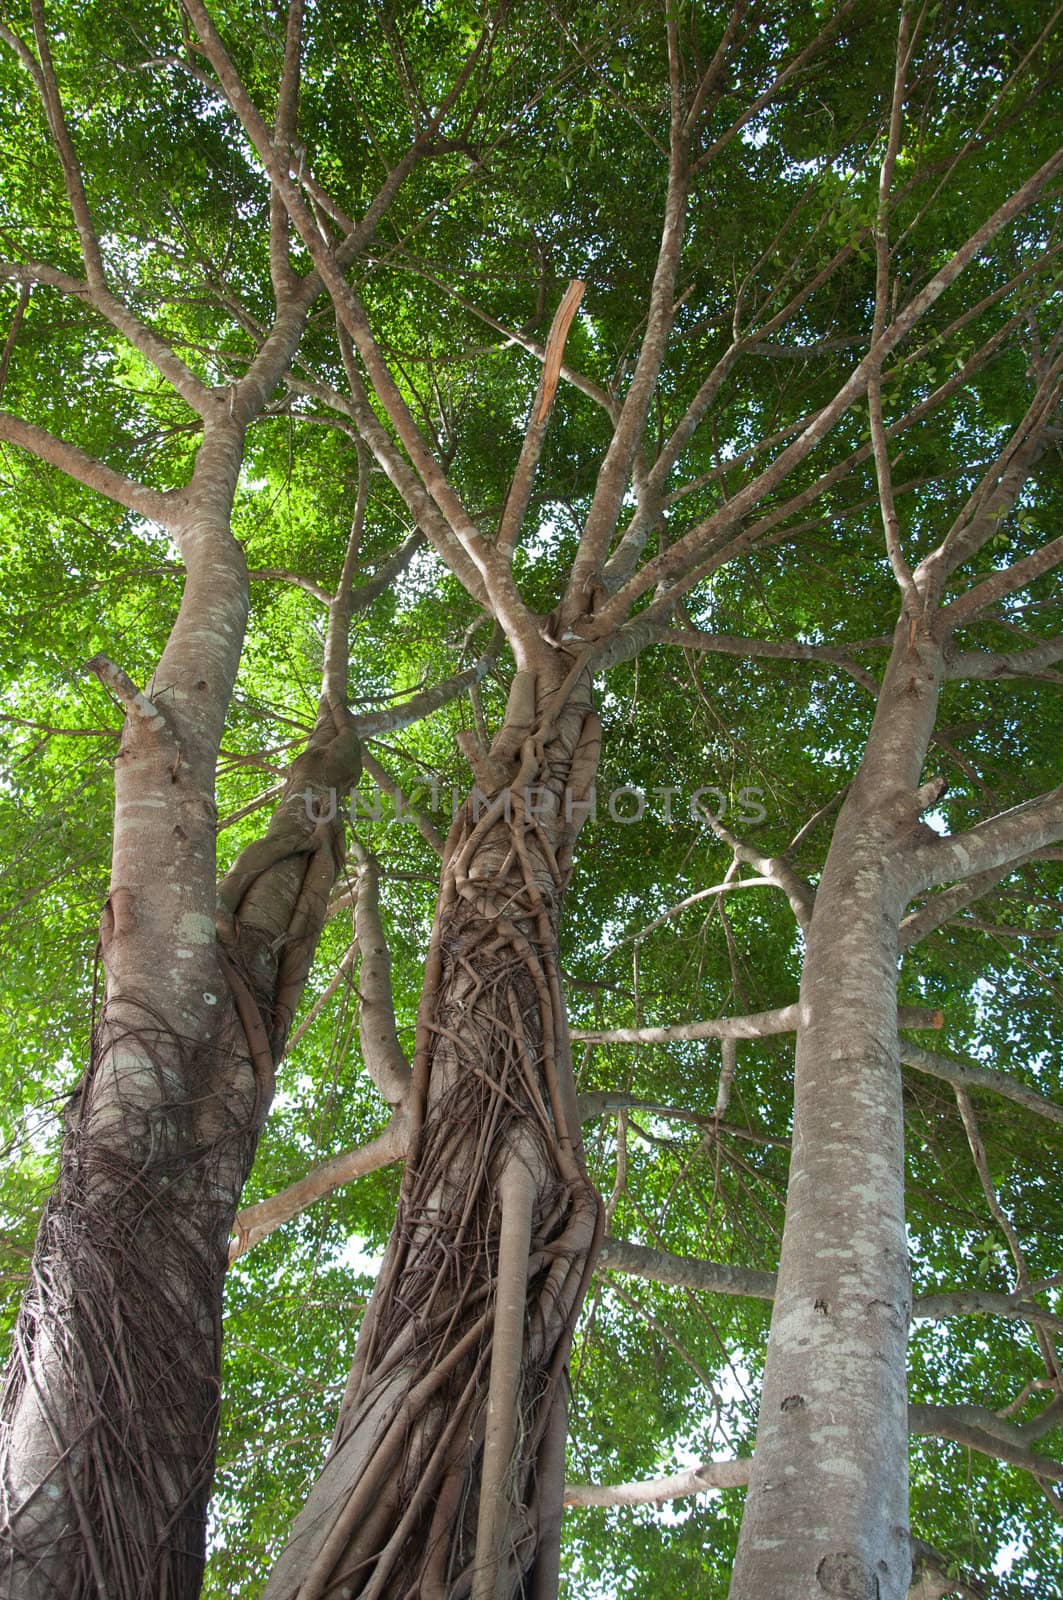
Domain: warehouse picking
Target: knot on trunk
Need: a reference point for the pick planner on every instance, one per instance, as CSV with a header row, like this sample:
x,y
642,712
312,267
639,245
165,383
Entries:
x,y
847,1577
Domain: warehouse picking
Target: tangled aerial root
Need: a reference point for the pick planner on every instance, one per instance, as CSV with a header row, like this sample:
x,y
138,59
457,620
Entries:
x,y
110,1400
445,1475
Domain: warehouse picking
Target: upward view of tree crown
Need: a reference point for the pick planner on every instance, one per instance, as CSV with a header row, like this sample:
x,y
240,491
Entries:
x,y
531,799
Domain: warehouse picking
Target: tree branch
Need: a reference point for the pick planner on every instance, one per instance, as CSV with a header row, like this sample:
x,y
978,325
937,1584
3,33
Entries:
x,y
614,473
414,494
383,780
1006,664
981,1162
48,89
341,975
677,565
942,907
495,576
284,130
165,509
751,1283
981,1430
758,1025
520,486
966,1075
381,1051
372,724
257,1221
1005,838
98,296
655,1491
637,635
996,494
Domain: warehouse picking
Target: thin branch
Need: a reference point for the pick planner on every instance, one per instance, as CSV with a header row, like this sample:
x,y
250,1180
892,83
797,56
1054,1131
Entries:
x,y
941,908
24,292
776,870
751,1283
341,976
981,1163
341,606
257,804
383,780
381,1051
99,297
766,649
677,567
968,1075
386,573
728,1066
981,1430
257,1221
1006,664
520,487
728,886
996,494
687,1272
164,509
665,1334
614,473
1001,583
283,575
792,67
283,136
136,704
758,1025
883,470
1000,840
602,1102
397,469
72,177
971,1426
655,1491
494,575
372,724
516,336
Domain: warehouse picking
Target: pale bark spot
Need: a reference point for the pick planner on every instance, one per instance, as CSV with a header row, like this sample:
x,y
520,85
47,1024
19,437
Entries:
x,y
196,928
839,1468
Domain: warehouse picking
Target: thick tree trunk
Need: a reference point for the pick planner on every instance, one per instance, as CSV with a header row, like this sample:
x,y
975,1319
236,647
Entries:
x,y
826,1513
110,1402
446,1471
112,1395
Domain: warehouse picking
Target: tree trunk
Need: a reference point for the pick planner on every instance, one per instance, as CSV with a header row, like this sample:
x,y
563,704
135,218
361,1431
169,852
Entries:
x,y
446,1470
826,1513
110,1402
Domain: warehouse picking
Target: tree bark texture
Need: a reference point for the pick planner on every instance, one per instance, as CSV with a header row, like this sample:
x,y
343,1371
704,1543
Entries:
x,y
826,1513
110,1402
445,1474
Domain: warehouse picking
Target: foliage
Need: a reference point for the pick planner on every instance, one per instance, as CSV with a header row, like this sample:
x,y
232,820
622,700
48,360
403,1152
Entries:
x,y
554,167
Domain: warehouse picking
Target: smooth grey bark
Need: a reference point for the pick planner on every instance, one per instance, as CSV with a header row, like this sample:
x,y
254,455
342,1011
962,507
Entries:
x,y
826,1512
